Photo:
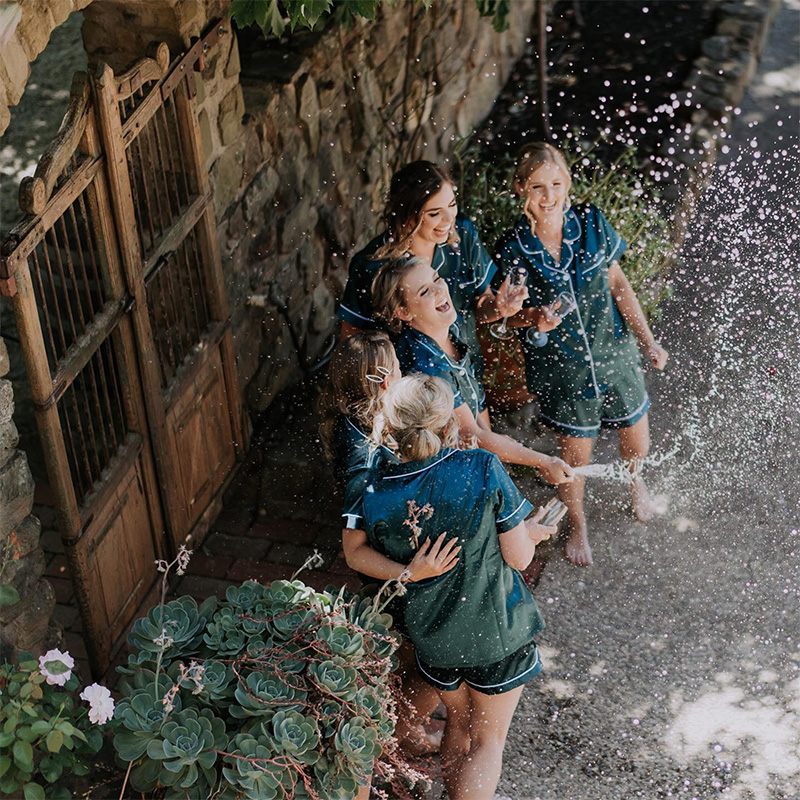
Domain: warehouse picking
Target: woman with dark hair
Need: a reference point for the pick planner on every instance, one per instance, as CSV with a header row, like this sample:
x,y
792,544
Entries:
x,y
421,219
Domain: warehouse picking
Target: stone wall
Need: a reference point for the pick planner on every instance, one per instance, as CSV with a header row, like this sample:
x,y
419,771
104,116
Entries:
x,y
299,185
24,625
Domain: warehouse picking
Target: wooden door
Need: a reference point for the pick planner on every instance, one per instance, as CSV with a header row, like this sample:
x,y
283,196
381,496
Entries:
x,y
165,216
118,295
62,267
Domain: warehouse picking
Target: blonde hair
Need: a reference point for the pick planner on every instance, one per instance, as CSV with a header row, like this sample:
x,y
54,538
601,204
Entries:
x,y
387,289
411,187
418,418
531,157
355,388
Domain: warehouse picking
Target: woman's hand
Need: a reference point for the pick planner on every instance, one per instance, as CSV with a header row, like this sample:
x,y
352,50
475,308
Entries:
x,y
536,531
431,561
556,471
509,299
548,317
657,354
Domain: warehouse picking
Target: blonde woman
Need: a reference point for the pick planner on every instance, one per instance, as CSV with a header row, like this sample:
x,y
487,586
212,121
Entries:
x,y
581,354
474,626
414,302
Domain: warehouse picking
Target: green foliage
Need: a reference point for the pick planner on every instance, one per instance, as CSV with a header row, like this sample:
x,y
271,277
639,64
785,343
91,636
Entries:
x,y
278,691
44,734
273,16
619,189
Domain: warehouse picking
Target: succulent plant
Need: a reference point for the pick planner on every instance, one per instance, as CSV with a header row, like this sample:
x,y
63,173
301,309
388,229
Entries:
x,y
263,694
140,718
295,736
252,769
335,678
187,749
290,622
357,742
218,679
244,598
225,635
342,641
172,631
372,704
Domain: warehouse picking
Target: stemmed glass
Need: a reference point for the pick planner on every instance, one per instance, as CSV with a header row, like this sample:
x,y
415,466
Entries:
x,y
567,304
518,276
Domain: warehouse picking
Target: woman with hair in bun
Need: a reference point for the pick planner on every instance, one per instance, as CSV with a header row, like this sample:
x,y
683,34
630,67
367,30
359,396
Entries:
x,y
474,625
414,302
421,219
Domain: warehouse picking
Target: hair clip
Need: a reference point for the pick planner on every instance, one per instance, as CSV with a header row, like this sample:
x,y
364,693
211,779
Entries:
x,y
383,371
375,378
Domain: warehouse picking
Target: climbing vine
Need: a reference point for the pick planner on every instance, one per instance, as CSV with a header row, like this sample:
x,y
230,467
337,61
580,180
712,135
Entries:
x,y
274,16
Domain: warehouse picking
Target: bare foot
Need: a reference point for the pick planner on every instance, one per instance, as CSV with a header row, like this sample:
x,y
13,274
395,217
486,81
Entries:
x,y
643,508
577,549
419,742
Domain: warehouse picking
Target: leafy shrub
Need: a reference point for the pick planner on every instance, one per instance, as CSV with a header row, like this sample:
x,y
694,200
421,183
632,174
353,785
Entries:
x,y
44,733
277,691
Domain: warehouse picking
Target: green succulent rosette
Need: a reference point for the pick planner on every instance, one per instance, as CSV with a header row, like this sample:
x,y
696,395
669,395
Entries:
x,y
186,749
343,641
263,694
176,631
225,635
244,598
295,736
139,719
217,685
334,677
356,742
252,770
372,704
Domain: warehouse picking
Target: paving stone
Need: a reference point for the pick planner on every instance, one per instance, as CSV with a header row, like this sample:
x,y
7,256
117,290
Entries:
x,y
212,566
234,521
287,553
200,587
236,546
57,566
50,540
65,615
285,530
76,647
245,569
63,589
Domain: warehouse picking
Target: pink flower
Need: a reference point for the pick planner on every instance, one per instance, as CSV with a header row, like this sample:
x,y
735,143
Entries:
x,y
56,667
101,704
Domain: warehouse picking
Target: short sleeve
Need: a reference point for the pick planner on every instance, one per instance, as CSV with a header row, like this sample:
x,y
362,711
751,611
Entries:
x,y
481,268
356,305
607,238
353,516
511,507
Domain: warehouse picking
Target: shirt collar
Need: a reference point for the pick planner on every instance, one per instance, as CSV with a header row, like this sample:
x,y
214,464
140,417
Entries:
x,y
532,246
421,342
408,469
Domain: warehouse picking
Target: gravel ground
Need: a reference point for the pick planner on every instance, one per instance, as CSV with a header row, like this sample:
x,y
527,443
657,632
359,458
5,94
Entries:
x,y
672,666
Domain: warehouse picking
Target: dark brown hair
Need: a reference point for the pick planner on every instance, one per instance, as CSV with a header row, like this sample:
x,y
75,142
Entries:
x,y
411,187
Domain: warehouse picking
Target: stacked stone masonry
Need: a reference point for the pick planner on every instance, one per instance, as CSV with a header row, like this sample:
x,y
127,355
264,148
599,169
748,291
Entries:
x,y
25,625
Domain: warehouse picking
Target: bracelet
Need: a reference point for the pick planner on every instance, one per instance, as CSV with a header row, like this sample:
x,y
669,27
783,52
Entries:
x,y
404,576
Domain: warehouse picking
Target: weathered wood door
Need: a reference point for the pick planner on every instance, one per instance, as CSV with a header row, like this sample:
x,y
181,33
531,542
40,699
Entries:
x,y
118,297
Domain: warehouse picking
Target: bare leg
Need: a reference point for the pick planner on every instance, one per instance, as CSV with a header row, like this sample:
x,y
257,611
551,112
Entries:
x,y
490,719
456,742
577,453
422,699
634,445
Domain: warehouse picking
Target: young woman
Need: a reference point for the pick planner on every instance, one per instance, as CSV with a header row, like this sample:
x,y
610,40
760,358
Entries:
x,y
473,627
361,370
421,219
587,374
413,300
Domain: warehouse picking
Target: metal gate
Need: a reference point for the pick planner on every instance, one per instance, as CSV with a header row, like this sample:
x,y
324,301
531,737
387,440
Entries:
x,y
119,301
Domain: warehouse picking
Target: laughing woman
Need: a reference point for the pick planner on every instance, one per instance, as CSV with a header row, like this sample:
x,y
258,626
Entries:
x,y
414,302
422,219
586,370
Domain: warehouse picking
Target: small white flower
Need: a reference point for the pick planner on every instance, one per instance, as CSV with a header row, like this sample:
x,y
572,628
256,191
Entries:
x,y
101,704
56,667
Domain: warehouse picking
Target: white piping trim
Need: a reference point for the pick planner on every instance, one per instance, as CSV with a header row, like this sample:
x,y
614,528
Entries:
x,y
456,682
622,419
536,663
417,472
498,521
343,307
364,435
351,520
566,425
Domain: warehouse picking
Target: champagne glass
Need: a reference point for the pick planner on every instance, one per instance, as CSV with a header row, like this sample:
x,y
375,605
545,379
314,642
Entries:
x,y
518,276
567,304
